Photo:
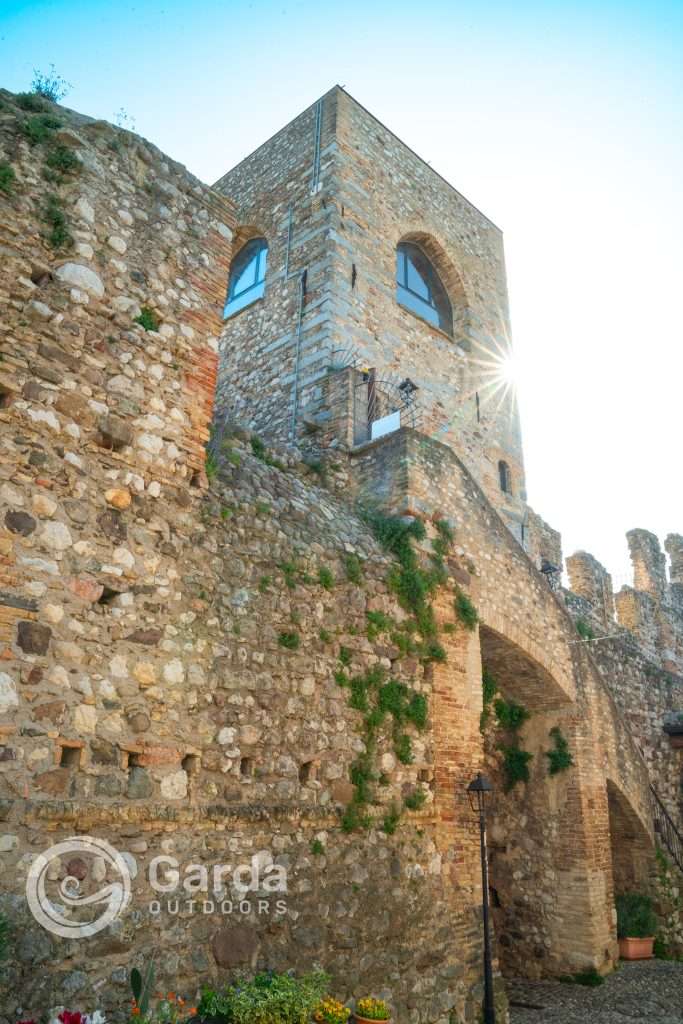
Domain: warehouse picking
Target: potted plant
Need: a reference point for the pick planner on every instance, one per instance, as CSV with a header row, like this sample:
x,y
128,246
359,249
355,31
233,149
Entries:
x,y
370,1009
331,1011
636,926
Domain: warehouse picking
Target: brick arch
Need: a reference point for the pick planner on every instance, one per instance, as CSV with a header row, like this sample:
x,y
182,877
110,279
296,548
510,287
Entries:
x,y
244,233
544,682
446,267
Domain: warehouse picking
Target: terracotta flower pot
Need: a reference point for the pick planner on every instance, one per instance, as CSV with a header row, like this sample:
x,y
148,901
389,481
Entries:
x,y
369,1020
636,949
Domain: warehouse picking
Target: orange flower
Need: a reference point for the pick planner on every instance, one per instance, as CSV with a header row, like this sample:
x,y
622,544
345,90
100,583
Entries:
x,y
171,995
135,1011
192,1010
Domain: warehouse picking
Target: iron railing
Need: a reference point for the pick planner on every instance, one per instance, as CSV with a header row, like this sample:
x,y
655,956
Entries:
x,y
666,830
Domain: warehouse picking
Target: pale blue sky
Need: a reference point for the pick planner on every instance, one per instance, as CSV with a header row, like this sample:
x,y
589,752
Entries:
x,y
561,121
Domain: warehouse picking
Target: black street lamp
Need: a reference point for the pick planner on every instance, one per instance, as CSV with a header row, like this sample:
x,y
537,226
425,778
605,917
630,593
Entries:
x,y
478,791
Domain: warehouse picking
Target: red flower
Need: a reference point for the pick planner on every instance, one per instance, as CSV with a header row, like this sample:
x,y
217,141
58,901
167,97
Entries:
x,y
67,1017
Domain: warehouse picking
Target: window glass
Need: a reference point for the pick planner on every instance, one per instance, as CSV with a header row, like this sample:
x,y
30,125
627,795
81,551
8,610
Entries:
x,y
247,276
419,288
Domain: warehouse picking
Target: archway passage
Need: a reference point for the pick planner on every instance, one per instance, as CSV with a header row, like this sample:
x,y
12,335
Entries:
x,y
540,891
631,846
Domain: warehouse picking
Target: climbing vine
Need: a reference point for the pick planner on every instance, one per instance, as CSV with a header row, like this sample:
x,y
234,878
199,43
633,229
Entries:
x,y
560,757
387,704
510,717
489,689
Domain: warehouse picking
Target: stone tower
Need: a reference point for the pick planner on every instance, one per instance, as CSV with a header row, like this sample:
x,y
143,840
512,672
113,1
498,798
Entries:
x,y
323,342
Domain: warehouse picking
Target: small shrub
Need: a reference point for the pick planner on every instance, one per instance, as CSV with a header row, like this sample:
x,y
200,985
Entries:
x,y
264,584
353,569
560,758
345,656
148,319
325,636
403,748
325,578
7,178
317,467
262,508
590,978
390,820
515,764
62,159
432,650
289,640
445,531
378,623
353,819
636,918
31,102
210,466
260,451
289,571
465,610
268,998
415,800
511,715
59,236
39,128
4,937
584,630
226,513
317,848
258,448
50,86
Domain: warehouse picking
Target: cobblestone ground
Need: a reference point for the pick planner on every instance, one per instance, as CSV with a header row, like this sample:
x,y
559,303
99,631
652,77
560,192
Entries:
x,y
650,992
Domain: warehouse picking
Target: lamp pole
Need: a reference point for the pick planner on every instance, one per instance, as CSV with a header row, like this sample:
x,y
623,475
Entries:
x,y
477,791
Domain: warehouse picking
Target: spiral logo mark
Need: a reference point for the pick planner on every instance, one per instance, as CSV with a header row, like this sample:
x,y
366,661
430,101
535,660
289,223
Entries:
x,y
114,896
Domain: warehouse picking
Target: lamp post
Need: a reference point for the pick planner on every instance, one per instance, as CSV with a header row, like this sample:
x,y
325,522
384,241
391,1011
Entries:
x,y
478,791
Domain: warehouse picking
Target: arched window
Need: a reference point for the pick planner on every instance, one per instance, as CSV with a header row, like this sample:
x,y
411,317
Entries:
x,y
505,478
247,276
419,289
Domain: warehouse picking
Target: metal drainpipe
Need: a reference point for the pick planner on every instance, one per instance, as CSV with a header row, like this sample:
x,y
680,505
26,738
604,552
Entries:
x,y
289,241
315,179
297,358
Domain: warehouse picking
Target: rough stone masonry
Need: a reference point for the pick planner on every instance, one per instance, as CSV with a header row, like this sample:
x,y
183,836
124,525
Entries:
x,y
176,652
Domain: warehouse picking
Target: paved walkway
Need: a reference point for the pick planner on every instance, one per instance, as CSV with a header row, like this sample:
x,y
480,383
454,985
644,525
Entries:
x,y
650,992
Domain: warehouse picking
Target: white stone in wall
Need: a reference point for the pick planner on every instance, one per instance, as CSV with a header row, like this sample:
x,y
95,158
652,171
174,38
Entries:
x,y
117,244
56,535
174,671
8,692
85,718
85,210
174,787
81,277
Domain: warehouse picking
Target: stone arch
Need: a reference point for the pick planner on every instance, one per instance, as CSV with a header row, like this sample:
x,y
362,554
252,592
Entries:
x,y
447,270
244,233
539,679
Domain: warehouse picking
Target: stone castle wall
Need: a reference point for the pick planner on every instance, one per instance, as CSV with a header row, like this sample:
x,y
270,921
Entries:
x,y
171,652
147,695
